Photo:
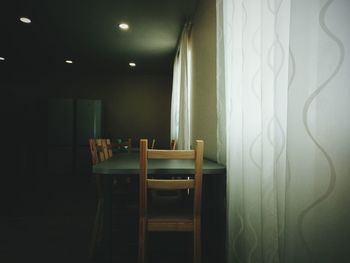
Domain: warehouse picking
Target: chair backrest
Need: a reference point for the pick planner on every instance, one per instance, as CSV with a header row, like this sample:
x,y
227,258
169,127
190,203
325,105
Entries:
x,y
173,144
109,148
194,183
93,151
104,149
100,153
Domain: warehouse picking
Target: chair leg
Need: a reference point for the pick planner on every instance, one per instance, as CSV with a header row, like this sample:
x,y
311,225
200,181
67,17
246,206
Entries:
x,y
96,229
100,224
197,246
142,241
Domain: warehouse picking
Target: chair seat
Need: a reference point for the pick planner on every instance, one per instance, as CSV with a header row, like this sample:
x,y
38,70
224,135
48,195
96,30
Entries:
x,y
170,223
170,213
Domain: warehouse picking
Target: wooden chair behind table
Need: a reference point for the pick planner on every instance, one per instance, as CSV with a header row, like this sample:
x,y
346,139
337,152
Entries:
x,y
109,148
101,154
155,221
104,149
97,154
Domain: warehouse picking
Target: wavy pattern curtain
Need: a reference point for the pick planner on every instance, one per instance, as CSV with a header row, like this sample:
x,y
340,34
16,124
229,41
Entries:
x,y
180,127
283,106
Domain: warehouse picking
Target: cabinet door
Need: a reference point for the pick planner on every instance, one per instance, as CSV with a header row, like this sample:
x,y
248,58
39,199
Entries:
x,y
60,161
60,136
88,120
88,125
61,122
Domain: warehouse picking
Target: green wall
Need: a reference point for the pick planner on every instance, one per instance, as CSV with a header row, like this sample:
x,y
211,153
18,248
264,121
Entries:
x,y
204,76
134,105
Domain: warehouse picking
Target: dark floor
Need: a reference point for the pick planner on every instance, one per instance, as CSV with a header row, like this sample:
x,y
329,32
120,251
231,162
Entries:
x,y
52,223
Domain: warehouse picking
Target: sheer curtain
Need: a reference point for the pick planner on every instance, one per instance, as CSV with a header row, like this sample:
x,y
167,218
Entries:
x,y
283,104
181,95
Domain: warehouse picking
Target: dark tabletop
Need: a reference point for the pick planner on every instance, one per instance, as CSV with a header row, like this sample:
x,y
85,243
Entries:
x,y
128,163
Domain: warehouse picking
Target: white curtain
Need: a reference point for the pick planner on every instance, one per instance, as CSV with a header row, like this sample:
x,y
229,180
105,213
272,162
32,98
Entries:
x,y
284,131
180,127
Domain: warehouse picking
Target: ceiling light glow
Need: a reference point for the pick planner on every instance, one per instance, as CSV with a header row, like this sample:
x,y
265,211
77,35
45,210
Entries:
x,y
123,26
2,58
132,64
69,61
25,20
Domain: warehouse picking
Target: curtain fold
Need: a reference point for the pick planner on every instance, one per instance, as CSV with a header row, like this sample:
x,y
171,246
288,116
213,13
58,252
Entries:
x,y
283,130
180,128
175,100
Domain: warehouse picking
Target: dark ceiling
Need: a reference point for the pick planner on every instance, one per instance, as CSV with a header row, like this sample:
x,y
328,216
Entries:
x,y
86,31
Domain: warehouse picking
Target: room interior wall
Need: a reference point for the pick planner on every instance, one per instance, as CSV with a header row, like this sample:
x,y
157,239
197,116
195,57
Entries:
x,y
134,105
204,76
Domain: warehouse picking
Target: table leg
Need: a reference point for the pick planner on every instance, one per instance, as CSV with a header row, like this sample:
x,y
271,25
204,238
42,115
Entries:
x,y
107,220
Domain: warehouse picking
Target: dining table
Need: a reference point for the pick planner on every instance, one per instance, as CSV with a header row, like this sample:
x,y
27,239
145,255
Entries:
x,y
126,165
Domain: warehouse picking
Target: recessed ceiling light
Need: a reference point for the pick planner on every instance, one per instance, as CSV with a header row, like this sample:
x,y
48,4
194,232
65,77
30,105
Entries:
x,y
25,20
69,61
2,58
123,26
132,64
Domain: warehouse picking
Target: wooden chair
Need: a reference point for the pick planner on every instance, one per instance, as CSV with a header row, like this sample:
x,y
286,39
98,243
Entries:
x,y
97,228
102,154
94,160
108,146
153,222
104,148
